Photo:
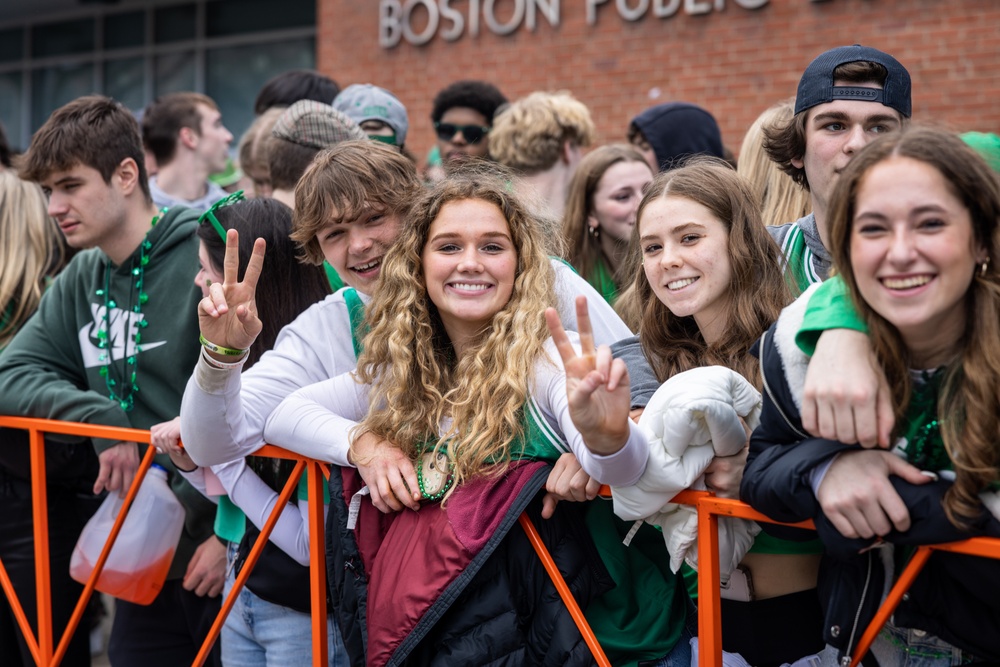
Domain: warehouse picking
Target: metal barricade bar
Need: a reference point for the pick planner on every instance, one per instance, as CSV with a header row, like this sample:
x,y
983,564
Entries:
x,y
41,647
709,509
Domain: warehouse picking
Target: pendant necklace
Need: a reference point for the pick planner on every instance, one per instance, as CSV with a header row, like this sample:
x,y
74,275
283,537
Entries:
x,y
434,474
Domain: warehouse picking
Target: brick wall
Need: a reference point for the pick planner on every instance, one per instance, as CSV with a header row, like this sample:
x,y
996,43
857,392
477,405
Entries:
x,y
733,61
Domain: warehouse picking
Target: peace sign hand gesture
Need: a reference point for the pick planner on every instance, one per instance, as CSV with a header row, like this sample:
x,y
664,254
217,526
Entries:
x,y
228,315
597,386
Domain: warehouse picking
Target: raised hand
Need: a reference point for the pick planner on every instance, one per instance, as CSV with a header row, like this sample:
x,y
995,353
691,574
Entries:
x,y
597,386
228,315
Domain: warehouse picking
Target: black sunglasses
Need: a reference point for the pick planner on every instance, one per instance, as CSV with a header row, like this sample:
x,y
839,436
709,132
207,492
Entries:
x,y
472,133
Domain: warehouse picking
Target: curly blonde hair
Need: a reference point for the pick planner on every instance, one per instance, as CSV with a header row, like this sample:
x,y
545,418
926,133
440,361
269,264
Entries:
x,y
529,135
417,384
967,405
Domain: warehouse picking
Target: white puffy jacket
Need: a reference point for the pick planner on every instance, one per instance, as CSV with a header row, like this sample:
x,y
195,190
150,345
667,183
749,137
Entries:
x,y
693,417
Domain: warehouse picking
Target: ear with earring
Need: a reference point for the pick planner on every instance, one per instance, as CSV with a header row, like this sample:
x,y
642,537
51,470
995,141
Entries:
x,y
594,231
983,267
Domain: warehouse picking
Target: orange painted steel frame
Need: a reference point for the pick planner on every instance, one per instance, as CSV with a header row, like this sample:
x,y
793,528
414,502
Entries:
x,y
43,649
708,506
711,508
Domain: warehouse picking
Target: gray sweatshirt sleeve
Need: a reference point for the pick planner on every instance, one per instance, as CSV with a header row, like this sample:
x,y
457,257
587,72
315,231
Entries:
x,y
643,380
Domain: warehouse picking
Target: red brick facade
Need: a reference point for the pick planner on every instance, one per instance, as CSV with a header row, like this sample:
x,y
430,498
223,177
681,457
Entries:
x,y
734,61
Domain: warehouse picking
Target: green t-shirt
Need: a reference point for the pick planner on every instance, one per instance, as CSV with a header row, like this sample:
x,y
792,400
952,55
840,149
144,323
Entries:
x,y
602,280
332,277
230,521
829,307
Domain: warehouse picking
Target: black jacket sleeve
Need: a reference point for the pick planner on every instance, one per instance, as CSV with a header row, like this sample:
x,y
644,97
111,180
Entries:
x,y
782,456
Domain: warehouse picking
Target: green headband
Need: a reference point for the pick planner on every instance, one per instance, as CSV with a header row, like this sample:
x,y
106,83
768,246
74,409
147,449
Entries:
x,y
222,203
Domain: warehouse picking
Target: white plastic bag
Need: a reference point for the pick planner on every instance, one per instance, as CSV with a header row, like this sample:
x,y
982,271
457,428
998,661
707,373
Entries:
x,y
140,559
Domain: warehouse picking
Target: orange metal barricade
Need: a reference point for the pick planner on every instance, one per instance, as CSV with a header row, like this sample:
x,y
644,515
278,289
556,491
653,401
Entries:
x,y
49,654
710,508
43,648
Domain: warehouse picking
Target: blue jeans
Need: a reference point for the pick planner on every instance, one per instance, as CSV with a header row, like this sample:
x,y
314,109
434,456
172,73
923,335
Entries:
x,y
258,633
905,647
680,655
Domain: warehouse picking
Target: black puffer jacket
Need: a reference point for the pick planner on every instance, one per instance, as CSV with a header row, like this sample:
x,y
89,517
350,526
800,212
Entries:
x,y
955,597
483,599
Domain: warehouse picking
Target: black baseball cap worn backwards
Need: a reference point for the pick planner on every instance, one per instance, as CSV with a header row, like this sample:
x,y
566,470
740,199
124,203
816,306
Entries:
x,y
817,86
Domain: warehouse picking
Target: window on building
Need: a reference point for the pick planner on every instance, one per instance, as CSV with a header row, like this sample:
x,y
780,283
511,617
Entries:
x,y
226,49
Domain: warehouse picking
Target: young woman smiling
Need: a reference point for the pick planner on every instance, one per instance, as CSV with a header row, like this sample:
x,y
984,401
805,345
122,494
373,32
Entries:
x,y
600,213
457,371
914,234
709,285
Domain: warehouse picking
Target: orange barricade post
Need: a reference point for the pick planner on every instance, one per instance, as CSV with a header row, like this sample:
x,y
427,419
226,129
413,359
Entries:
x,y
564,592
977,546
88,588
708,615
709,600
317,567
42,647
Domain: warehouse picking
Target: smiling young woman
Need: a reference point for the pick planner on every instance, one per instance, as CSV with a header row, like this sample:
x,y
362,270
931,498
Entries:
x,y
458,376
915,229
705,259
603,198
709,284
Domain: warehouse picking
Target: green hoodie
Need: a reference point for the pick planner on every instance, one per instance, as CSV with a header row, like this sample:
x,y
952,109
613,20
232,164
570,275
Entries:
x,y
52,367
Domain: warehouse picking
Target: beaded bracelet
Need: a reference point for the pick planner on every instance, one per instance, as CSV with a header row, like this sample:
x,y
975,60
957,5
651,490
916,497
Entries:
x,y
218,349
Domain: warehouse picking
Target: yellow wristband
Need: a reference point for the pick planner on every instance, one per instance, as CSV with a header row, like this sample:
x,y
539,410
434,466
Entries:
x,y
218,349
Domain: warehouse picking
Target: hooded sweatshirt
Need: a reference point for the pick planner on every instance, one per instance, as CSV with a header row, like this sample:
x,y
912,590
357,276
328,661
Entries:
x,y
213,194
52,368
676,130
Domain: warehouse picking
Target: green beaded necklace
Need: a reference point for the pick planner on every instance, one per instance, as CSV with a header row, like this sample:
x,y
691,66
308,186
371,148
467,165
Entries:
x,y
926,448
125,397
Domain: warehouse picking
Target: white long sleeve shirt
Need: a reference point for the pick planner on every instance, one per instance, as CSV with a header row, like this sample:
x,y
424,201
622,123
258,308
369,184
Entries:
x,y
316,421
223,411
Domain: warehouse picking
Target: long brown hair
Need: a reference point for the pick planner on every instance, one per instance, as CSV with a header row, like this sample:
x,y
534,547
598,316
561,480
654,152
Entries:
x,y
758,291
970,424
583,250
417,383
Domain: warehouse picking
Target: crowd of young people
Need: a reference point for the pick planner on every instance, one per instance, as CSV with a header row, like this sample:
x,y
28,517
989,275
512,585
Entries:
x,y
463,374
